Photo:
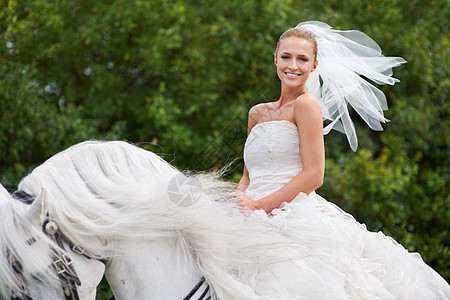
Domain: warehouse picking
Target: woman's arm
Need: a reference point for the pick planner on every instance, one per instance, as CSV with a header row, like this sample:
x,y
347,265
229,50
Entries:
x,y
252,121
308,117
245,181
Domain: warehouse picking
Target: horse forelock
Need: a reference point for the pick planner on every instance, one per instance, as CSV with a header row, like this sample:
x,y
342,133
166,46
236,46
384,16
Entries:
x,y
24,251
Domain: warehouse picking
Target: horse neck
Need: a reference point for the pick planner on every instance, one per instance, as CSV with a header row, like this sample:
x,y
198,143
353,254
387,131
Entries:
x,y
159,269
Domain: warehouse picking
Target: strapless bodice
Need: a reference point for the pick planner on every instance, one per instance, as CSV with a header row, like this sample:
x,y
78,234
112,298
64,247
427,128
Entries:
x,y
272,157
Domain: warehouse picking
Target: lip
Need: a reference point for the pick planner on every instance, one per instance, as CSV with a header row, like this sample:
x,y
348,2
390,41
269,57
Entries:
x,y
292,75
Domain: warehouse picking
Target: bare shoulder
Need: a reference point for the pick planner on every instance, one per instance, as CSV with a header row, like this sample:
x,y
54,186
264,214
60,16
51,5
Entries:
x,y
258,111
306,104
257,108
306,108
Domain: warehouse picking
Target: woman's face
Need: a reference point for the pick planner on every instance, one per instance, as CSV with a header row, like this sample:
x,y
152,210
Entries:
x,y
295,61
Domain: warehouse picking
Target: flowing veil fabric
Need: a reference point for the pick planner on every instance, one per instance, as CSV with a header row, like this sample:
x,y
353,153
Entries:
x,y
346,60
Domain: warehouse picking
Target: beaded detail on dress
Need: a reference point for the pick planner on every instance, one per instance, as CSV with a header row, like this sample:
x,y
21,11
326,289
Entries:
x,y
272,156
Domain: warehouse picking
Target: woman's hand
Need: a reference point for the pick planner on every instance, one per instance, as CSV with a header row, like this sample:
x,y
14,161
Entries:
x,y
244,201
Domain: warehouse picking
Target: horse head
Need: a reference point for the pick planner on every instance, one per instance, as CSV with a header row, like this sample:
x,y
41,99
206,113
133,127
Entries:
x,y
36,261
90,204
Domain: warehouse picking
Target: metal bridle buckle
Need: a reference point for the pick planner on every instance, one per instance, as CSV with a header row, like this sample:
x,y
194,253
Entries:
x,y
78,249
61,264
51,228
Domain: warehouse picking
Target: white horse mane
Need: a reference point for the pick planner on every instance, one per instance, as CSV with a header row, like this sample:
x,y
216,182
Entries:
x,y
116,192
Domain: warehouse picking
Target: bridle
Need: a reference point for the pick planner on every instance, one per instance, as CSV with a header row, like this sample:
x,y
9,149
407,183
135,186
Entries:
x,y
62,263
194,291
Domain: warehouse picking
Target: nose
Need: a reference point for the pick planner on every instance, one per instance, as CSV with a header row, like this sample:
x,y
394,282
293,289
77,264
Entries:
x,y
293,65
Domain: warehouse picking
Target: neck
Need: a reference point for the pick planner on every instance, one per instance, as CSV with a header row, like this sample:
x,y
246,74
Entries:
x,y
149,268
289,94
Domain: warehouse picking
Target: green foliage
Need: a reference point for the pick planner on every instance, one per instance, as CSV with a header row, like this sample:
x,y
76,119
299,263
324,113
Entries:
x,y
178,78
401,184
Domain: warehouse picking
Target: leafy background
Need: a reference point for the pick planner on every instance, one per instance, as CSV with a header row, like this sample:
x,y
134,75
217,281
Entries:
x,y
178,78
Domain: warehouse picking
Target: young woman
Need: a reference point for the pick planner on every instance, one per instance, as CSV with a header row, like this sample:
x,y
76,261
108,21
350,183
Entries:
x,y
295,58
284,164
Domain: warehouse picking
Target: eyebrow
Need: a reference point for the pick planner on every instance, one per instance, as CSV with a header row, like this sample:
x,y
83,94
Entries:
x,y
285,52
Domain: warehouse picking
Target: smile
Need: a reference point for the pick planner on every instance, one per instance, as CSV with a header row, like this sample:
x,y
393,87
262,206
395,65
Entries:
x,y
291,75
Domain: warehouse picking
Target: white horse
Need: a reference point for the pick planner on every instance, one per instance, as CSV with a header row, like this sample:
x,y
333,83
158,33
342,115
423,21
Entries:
x,y
104,208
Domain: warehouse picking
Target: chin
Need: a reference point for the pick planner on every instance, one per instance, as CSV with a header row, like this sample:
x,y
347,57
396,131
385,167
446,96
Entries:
x,y
292,85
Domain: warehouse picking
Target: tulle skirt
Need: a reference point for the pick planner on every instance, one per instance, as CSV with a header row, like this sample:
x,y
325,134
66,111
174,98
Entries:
x,y
338,258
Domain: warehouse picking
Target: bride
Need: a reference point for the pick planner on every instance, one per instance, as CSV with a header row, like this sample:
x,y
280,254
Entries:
x,y
320,72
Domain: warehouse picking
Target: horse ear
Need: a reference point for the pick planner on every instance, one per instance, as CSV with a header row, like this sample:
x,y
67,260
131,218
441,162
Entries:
x,y
4,193
36,208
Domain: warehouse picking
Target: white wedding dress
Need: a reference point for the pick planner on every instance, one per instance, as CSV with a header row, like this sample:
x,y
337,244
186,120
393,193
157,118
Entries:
x,y
338,257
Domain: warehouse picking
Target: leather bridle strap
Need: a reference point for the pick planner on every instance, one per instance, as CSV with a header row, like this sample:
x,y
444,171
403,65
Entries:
x,y
62,262
192,292
196,288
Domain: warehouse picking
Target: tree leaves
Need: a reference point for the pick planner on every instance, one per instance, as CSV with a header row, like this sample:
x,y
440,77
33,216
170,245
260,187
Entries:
x,y
183,74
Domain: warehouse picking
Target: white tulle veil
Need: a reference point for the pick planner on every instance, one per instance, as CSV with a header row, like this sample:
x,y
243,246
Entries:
x,y
346,60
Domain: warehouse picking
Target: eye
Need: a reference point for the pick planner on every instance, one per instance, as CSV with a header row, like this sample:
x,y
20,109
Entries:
x,y
303,59
284,56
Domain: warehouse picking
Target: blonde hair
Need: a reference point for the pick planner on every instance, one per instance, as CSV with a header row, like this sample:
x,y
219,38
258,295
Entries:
x,y
300,33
